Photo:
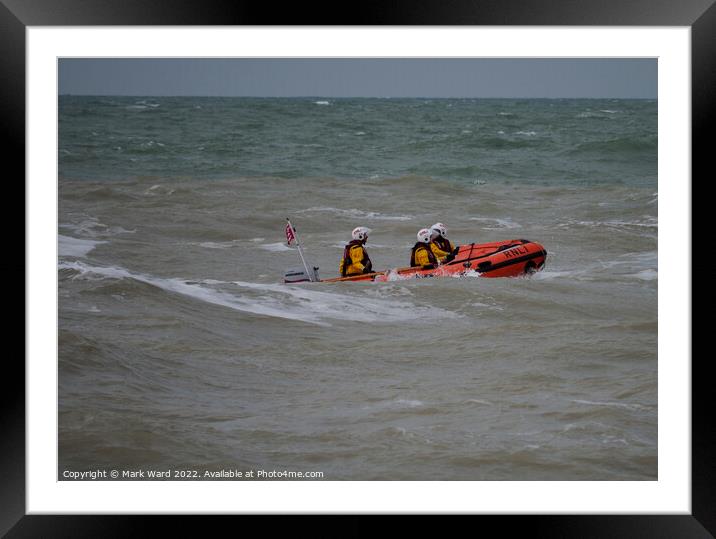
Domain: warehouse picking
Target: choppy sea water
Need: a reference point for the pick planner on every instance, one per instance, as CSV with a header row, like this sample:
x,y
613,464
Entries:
x,y
180,347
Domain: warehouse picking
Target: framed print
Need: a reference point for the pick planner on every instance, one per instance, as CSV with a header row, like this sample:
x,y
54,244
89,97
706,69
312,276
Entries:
x,y
149,260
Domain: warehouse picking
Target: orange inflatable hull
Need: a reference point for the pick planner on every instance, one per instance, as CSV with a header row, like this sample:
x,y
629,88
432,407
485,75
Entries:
x,y
510,258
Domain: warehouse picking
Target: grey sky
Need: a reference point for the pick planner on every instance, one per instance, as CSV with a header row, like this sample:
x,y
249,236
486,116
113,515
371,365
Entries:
x,y
362,77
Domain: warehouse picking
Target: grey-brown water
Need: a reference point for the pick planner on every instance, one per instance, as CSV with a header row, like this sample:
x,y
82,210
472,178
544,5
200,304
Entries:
x,y
181,348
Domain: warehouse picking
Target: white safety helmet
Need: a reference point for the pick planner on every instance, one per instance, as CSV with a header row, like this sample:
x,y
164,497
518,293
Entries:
x,y
440,229
361,233
425,235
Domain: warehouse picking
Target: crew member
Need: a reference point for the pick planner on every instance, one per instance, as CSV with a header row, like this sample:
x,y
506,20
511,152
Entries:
x,y
422,255
442,248
355,259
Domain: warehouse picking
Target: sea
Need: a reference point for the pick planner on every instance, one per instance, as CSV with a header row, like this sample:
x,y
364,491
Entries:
x,y
181,348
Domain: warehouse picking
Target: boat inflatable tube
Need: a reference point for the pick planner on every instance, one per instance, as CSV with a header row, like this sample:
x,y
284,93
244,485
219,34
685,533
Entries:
x,y
510,258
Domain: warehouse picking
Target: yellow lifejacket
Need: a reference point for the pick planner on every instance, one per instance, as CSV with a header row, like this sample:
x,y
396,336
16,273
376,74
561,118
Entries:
x,y
422,255
355,260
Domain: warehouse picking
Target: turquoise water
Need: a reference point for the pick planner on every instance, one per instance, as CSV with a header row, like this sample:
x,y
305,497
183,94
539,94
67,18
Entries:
x,y
545,141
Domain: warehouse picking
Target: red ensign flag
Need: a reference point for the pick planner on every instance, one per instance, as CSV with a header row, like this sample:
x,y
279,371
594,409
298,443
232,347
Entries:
x,y
289,234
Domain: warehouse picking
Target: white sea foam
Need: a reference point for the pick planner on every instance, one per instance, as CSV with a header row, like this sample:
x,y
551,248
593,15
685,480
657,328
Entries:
x,y
395,404
647,275
291,302
410,403
332,305
647,222
358,214
76,247
646,258
159,190
635,407
87,227
392,276
497,224
527,133
276,247
119,230
598,114
219,245
322,102
93,228
643,264
262,306
546,275
478,401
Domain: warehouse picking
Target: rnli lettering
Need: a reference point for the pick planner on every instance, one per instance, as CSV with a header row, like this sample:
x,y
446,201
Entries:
x,y
517,251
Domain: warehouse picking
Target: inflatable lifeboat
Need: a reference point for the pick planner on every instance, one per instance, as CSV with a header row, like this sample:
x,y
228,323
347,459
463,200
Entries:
x,y
510,258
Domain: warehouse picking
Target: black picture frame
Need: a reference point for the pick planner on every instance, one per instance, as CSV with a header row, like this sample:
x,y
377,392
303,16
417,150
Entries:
x,y
16,15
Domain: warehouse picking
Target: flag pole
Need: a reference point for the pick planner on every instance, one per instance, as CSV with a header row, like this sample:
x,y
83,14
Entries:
x,y
300,251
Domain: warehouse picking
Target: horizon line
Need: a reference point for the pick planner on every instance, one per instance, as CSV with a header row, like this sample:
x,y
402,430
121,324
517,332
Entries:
x,y
354,97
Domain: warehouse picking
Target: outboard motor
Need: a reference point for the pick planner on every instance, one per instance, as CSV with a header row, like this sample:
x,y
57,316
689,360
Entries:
x,y
299,275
